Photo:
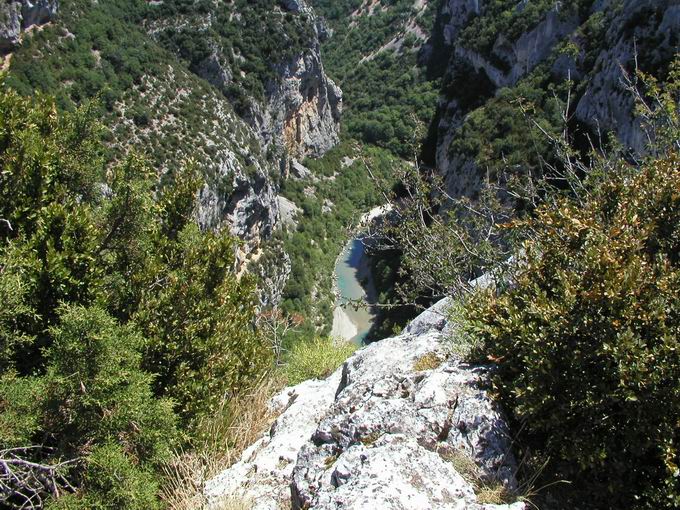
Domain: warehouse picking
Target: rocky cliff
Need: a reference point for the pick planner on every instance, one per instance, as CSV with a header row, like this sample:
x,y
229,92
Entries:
x,y
295,108
265,61
19,15
400,425
592,43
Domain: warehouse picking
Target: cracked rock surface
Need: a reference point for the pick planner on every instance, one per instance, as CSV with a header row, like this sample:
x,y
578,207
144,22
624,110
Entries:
x,y
382,432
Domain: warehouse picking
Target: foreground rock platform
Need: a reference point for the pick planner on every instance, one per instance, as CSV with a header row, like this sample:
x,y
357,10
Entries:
x,y
382,432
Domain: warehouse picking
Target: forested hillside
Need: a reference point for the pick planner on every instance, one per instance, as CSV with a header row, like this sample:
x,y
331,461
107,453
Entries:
x,y
178,179
374,56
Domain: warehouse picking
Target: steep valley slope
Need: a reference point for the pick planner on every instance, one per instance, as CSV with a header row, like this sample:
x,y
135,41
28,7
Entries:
x,y
190,83
282,106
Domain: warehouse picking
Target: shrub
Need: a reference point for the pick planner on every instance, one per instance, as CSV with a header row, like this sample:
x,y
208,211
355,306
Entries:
x,y
112,300
587,338
316,359
96,389
113,481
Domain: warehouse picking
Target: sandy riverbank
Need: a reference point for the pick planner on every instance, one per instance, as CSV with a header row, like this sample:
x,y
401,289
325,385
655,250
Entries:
x,y
343,326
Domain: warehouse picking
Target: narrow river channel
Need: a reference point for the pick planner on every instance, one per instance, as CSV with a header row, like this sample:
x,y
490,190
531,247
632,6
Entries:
x,y
353,282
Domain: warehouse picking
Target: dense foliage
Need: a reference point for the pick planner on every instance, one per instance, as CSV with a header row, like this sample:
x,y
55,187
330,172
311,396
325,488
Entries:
x,y
122,324
374,59
587,338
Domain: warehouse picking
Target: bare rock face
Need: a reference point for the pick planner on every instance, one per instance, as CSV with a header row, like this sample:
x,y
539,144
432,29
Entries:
x,y
606,105
38,12
265,470
19,15
382,432
250,209
303,105
295,5
10,25
313,104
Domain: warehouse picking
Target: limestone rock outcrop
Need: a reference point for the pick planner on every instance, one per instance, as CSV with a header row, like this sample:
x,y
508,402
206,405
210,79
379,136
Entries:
x,y
18,15
303,105
250,209
606,104
384,431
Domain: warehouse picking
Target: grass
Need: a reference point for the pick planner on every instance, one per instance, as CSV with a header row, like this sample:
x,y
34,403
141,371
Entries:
x,y
488,491
237,423
316,359
462,344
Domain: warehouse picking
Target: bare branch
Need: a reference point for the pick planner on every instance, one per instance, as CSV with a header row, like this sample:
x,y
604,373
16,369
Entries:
x,y
25,484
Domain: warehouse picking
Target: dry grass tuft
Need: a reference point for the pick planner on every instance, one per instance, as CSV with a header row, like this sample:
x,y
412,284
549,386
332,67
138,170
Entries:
x,y
494,494
488,492
237,423
428,361
185,476
316,359
233,503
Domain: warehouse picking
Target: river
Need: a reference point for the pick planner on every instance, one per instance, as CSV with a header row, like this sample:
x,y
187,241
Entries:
x,y
353,281
350,322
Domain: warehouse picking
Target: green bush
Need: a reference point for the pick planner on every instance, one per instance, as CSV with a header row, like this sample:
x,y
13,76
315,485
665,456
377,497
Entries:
x,y
96,389
316,359
587,338
117,313
112,481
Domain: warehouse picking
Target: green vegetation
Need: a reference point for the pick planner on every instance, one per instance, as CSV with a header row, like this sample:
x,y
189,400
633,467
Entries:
x,y
510,19
316,359
388,98
385,92
122,324
585,337
345,188
252,36
588,335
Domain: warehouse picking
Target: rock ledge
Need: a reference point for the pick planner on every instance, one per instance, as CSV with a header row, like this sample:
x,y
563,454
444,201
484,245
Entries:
x,y
379,433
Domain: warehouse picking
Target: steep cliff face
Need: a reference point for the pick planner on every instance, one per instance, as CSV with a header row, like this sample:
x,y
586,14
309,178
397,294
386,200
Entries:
x,y
502,45
303,105
646,27
303,108
385,431
264,60
19,15
287,99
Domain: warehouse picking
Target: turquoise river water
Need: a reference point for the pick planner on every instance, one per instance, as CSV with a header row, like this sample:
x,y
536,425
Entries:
x,y
352,266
